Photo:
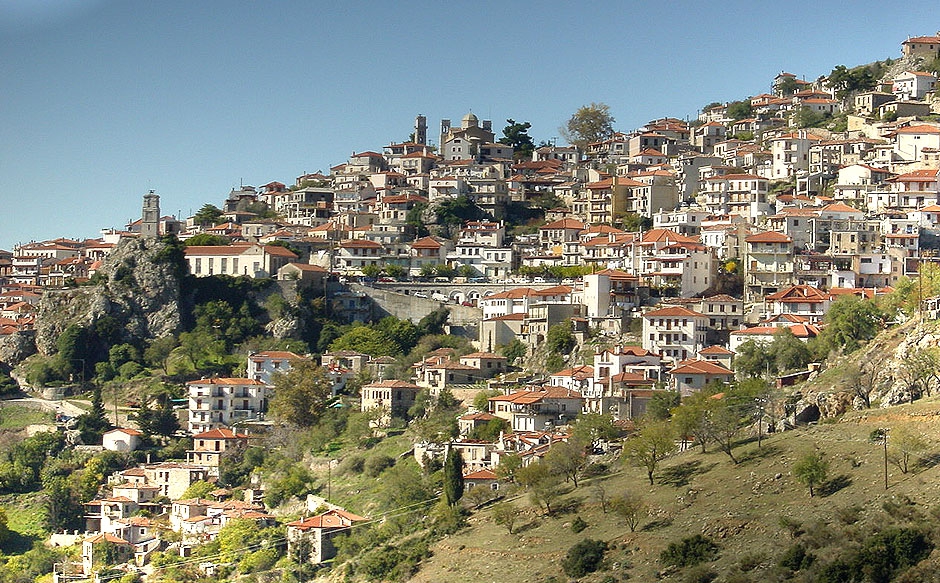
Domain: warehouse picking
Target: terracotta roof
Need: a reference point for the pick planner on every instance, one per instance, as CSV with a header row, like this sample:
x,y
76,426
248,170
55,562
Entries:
x,y
704,367
483,474
220,433
125,431
564,224
392,385
918,129
102,537
226,381
715,349
673,312
768,237
335,518
799,294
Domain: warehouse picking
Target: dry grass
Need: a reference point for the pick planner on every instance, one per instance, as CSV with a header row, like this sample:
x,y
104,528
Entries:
x,y
740,506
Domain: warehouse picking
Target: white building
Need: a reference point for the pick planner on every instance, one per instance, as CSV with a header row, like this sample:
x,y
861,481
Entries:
x,y
221,402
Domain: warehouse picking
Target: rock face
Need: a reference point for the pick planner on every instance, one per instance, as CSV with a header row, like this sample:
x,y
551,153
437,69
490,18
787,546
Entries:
x,y
15,347
140,291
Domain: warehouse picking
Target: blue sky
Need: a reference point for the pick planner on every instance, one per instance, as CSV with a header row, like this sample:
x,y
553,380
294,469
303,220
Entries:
x,y
102,100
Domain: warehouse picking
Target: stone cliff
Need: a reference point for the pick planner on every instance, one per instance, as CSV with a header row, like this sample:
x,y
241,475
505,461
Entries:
x,y
138,286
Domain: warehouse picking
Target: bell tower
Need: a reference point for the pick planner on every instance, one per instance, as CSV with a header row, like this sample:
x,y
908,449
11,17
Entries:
x,y
150,218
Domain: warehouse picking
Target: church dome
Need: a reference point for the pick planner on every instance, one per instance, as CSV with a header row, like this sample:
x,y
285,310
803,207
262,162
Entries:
x,y
469,120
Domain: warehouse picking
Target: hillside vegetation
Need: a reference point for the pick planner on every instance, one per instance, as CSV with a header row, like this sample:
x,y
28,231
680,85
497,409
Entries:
x,y
756,512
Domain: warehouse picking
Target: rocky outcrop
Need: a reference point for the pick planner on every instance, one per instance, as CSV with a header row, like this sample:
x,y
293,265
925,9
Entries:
x,y
14,348
139,289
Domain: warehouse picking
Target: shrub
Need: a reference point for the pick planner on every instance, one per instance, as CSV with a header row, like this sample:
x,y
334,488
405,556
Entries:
x,y
376,464
796,558
578,524
584,557
689,551
700,574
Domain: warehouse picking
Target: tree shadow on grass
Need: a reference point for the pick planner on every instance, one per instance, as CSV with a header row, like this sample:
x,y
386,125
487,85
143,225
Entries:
x,y
17,543
655,524
681,474
758,453
568,506
929,461
834,485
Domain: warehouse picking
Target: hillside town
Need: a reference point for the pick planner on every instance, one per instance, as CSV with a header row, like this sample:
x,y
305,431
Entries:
x,y
668,250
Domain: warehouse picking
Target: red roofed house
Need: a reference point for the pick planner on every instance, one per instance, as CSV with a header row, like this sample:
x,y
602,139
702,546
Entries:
x,y
537,408
251,260
765,334
916,189
674,332
913,84
395,396
262,366
354,254
804,301
121,439
921,46
745,195
429,251
690,376
311,539
209,446
910,141
220,402
484,478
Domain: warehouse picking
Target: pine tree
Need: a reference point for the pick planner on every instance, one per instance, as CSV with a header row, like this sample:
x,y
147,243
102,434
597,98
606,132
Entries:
x,y
95,422
453,477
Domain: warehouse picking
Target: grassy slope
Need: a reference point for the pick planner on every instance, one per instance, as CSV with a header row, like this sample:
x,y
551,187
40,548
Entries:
x,y
738,505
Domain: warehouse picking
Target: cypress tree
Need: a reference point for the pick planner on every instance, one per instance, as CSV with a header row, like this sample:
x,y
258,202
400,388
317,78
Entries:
x,y
453,477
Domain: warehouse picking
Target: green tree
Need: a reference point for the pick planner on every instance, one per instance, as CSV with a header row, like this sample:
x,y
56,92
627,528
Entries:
x,y
629,507
590,123
157,354
738,110
514,351
434,322
592,428
728,415
542,482
301,394
904,445
207,240
452,213
160,420
559,339
808,118
208,215
789,352
754,359
8,386
509,465
371,271
653,443
661,404
691,419
517,136
811,470
367,340
850,321
567,458
505,514
453,477
198,489
94,423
